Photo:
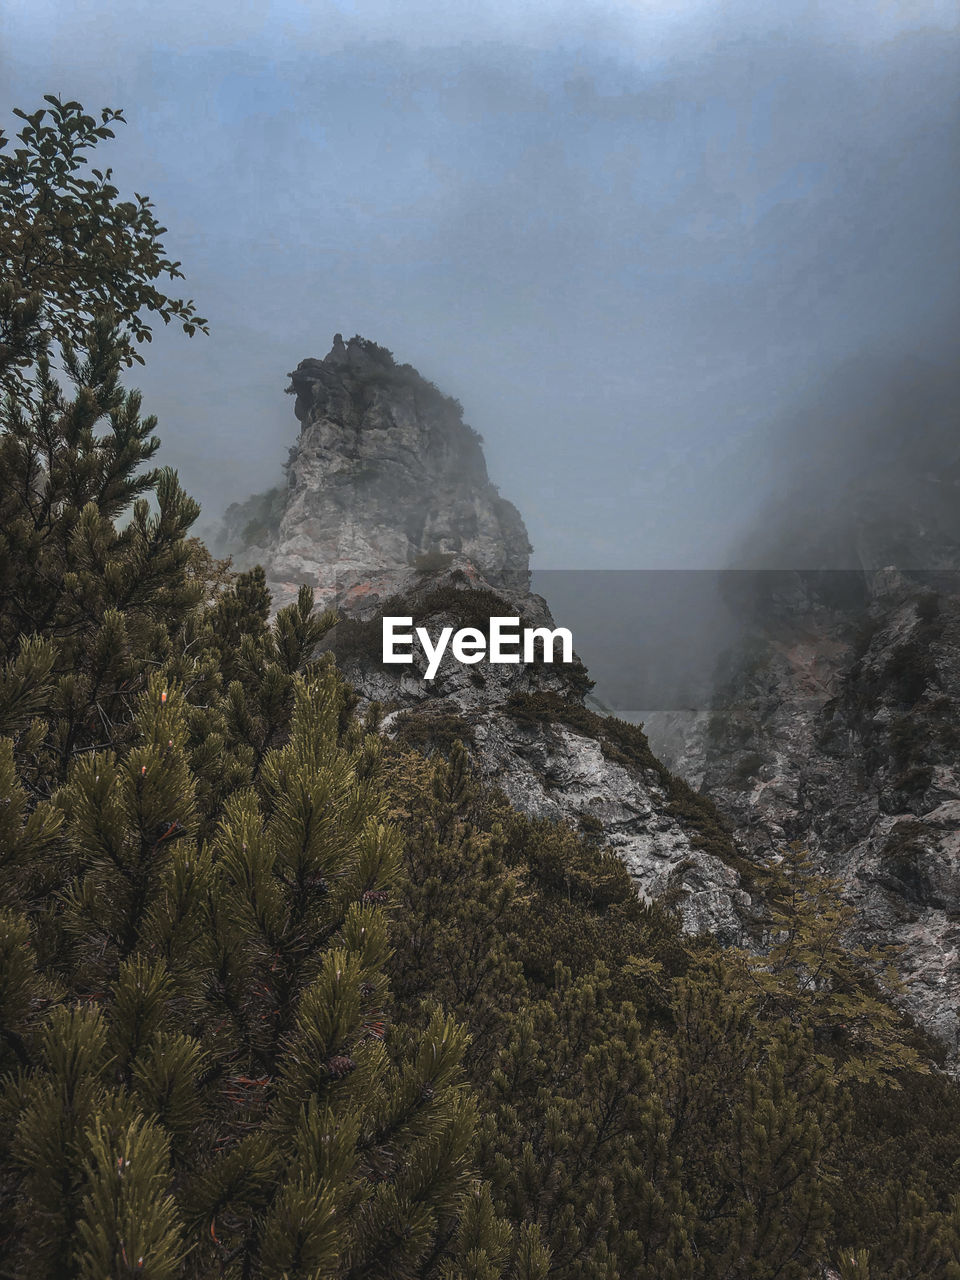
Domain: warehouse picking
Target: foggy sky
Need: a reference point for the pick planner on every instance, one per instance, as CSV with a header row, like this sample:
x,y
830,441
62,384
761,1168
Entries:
x,y
631,238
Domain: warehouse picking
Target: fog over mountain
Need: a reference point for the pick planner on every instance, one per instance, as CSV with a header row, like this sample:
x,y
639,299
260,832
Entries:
x,y
534,853
685,266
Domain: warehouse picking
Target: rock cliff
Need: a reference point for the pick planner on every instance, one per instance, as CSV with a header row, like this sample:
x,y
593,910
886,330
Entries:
x,y
838,725
838,722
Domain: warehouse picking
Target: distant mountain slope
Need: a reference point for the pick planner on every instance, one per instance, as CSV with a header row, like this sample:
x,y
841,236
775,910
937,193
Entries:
x,y
837,723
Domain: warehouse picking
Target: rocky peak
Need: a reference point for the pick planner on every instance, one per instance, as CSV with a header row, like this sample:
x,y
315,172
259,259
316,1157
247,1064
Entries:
x,y
385,476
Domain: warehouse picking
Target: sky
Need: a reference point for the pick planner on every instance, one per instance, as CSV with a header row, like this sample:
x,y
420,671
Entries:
x,y
634,239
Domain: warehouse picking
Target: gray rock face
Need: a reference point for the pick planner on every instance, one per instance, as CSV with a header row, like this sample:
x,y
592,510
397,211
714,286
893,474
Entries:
x,y
388,508
842,731
385,473
558,773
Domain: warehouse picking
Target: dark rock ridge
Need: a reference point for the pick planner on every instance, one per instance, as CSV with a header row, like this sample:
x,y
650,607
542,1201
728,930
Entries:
x,y
532,735
388,509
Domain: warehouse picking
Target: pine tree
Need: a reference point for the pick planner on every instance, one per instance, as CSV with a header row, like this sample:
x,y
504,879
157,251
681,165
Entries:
x,y
203,1073
453,930
740,1149
577,1140
915,1240
573,1137
87,605
207,1082
754,1123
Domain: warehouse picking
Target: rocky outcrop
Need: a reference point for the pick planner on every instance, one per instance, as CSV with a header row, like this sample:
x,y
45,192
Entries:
x,y
388,509
839,723
385,475
839,726
551,770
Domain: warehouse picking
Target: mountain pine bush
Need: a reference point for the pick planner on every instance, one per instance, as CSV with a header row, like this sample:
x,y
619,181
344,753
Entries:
x,y
654,1105
202,1077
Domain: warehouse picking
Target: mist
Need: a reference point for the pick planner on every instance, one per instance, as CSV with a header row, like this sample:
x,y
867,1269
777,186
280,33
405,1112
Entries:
x,y
670,258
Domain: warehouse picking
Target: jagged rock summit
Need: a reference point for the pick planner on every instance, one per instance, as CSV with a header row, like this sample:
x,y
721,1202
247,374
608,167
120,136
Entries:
x,y
838,728
385,476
